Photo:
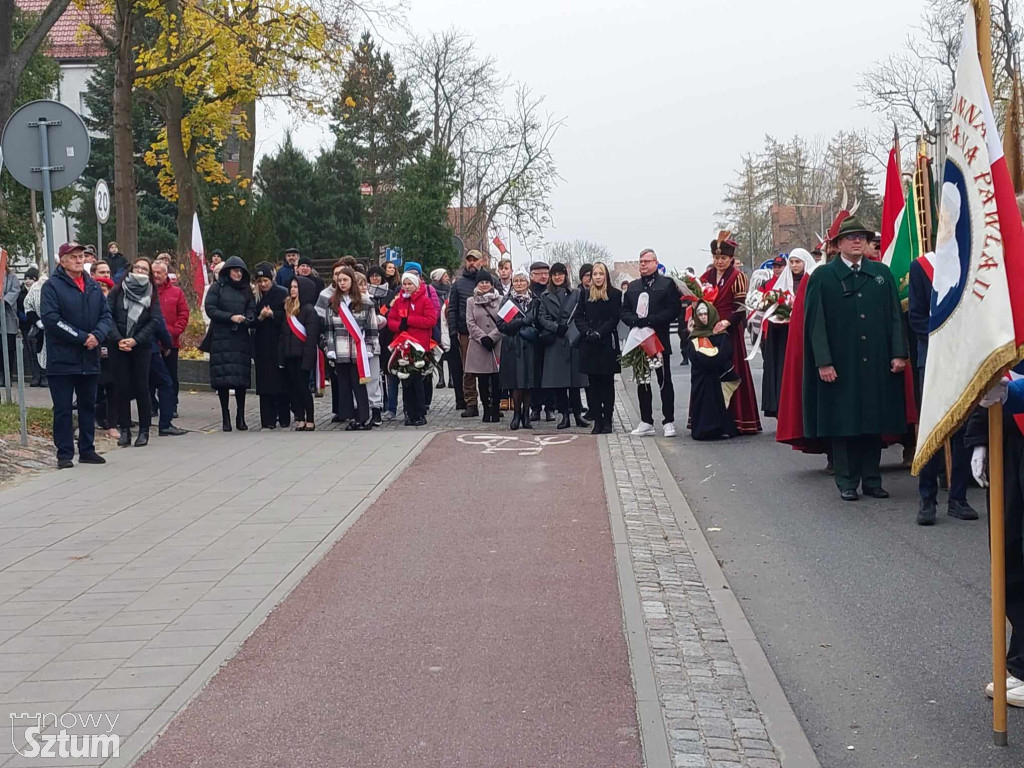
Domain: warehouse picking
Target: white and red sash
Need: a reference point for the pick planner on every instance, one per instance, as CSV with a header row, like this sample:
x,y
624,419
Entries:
x,y
925,260
297,327
362,357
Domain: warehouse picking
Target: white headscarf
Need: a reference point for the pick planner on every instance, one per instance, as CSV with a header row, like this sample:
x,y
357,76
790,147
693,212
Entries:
x,y
786,280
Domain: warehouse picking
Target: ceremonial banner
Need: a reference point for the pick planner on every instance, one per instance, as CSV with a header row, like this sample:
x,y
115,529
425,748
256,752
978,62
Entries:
x,y
900,244
974,331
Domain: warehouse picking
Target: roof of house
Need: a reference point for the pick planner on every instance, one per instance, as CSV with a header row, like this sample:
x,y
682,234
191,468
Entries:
x,y
70,37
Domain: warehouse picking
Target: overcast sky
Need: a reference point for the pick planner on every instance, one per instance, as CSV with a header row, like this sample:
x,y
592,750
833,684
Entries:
x,y
661,97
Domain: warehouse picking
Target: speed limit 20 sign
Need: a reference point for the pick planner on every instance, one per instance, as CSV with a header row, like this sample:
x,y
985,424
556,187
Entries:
x,y
101,197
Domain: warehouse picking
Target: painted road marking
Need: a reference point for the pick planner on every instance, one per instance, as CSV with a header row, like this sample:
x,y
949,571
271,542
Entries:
x,y
523,446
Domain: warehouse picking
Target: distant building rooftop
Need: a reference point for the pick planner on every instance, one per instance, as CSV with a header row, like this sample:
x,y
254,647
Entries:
x,y
70,37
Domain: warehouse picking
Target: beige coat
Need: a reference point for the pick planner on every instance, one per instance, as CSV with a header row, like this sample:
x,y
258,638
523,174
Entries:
x,y
481,314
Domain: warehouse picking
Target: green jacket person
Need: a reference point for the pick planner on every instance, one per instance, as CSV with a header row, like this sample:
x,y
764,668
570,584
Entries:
x,y
854,355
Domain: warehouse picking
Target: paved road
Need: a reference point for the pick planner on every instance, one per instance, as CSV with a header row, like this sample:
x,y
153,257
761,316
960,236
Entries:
x,y
876,628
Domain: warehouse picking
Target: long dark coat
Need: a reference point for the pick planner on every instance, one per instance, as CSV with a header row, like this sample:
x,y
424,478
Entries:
x,y
852,321
599,355
518,368
231,343
709,418
266,337
561,359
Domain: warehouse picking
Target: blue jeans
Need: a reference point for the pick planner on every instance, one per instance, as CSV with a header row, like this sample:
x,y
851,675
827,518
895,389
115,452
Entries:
x,y
63,388
160,381
391,396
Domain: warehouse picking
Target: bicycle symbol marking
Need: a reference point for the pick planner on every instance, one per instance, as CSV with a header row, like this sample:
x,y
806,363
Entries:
x,y
524,446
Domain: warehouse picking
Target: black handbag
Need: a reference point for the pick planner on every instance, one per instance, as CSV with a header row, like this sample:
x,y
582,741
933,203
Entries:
x,y
207,343
35,339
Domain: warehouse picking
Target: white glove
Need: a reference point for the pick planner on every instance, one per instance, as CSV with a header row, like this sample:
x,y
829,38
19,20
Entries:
x,y
979,465
997,394
39,324
332,355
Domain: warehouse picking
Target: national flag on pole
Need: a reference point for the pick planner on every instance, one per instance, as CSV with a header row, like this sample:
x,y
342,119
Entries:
x,y
3,265
508,310
499,245
198,258
977,306
899,241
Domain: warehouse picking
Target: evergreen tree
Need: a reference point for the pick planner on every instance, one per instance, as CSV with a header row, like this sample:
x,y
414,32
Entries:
x,y
283,184
374,116
420,224
337,206
157,230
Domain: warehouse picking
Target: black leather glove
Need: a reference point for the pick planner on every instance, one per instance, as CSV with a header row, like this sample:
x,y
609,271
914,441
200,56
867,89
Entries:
x,y
561,330
404,325
487,342
643,322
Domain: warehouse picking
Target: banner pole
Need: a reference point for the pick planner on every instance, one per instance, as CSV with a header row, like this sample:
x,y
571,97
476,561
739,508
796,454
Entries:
x,y
997,542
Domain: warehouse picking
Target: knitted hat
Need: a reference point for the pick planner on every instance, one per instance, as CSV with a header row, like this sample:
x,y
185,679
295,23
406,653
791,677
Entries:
x,y
483,276
264,269
437,274
558,268
414,266
585,270
414,276
305,260
31,273
375,270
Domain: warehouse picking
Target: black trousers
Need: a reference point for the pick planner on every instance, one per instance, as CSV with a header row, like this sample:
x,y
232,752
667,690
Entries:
x,y
161,383
297,383
601,397
856,461
131,379
275,409
454,357
412,397
349,391
490,392
644,394
63,390
428,389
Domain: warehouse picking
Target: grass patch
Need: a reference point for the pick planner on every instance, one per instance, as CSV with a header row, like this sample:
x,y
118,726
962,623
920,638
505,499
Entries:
x,y
40,420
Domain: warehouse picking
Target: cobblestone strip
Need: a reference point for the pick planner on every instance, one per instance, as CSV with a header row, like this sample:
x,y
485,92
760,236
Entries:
x,y
710,715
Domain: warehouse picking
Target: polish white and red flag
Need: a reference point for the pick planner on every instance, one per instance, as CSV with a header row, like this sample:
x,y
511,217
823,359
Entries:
x,y
198,257
977,306
508,310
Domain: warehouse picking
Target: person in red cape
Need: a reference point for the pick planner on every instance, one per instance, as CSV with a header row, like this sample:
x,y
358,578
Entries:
x,y
731,286
790,428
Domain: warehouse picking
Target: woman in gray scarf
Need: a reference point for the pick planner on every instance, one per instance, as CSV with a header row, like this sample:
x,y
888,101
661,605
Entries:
x,y
138,323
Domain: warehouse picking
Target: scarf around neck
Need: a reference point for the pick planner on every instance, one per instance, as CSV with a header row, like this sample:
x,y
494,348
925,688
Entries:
x,y
138,294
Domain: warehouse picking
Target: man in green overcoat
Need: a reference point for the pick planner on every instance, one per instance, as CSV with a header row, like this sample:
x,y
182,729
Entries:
x,y
855,352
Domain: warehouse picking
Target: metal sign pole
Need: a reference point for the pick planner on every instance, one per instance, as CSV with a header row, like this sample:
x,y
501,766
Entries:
x,y
8,364
47,194
22,405
99,240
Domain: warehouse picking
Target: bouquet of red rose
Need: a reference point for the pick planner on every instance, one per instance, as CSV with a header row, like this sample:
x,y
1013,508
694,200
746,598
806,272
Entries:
x,y
642,354
410,358
777,306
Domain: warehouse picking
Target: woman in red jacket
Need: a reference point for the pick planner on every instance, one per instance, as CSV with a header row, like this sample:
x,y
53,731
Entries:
x,y
414,313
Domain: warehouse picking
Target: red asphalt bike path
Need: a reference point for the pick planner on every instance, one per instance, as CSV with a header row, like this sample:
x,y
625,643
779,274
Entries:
x,y
471,617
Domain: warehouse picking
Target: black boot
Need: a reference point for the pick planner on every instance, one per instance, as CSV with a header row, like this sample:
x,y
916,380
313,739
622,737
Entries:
x,y
563,423
598,427
226,423
527,421
240,424
550,416
580,421
142,439
125,439
516,420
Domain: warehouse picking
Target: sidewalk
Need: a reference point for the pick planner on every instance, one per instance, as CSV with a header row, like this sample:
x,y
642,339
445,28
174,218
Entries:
x,y
508,599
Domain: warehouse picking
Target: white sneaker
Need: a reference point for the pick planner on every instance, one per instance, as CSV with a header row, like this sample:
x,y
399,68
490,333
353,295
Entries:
x,y
1015,697
1011,683
644,430
670,430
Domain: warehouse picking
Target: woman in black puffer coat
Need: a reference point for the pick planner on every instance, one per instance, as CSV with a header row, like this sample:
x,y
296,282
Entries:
x,y
231,307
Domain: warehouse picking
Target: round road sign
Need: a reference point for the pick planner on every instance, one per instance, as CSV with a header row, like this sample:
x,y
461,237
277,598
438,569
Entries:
x,y
101,199
67,143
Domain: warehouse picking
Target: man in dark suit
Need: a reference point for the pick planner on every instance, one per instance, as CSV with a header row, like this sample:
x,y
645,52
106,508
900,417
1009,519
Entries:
x,y
663,308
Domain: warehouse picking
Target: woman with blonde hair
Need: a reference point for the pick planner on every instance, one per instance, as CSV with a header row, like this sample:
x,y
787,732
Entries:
x,y
597,320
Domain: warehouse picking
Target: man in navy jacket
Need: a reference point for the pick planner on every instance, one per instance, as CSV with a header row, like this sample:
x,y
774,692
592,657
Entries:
x,y
77,319
919,302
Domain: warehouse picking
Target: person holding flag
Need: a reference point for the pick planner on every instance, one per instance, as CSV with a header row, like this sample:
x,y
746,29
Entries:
x,y
517,369
855,353
597,319
299,336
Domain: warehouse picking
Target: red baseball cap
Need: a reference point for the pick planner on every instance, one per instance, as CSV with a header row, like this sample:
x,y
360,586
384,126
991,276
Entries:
x,y
68,248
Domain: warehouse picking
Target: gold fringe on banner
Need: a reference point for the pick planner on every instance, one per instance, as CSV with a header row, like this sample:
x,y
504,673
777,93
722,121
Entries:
x,y
987,375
